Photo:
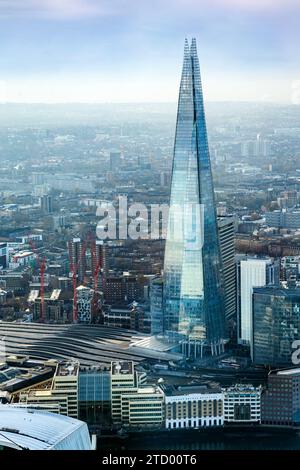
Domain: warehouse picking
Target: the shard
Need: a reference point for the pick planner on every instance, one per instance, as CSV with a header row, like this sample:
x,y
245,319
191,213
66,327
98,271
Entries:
x,y
193,287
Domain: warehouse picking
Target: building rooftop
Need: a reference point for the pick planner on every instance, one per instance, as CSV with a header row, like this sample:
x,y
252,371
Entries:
x,y
122,368
67,368
172,390
241,388
26,428
295,371
13,379
55,294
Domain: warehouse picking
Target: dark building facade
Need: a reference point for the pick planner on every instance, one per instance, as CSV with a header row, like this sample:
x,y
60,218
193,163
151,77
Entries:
x,y
276,325
281,400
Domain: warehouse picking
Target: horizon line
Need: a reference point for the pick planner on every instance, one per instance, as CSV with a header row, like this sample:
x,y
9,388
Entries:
x,y
140,102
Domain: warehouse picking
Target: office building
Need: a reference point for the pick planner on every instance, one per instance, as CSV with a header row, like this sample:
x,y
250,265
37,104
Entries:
x,y
281,400
192,407
94,394
124,381
156,305
193,289
226,228
276,325
252,272
144,408
61,394
283,218
242,404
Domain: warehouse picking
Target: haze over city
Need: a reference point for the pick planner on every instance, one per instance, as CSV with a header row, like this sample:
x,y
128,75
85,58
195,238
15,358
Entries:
x,y
130,51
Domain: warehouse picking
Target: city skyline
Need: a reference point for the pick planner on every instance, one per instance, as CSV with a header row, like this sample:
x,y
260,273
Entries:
x,y
88,51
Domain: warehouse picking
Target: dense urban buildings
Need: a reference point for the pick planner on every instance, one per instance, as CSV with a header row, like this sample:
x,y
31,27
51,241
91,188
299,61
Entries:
x,y
150,335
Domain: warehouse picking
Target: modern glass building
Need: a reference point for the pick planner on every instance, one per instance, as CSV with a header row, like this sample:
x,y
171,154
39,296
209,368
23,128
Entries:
x,y
276,325
156,305
94,394
193,287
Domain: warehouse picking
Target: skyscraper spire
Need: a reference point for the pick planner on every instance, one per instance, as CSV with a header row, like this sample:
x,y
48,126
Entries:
x,y
193,303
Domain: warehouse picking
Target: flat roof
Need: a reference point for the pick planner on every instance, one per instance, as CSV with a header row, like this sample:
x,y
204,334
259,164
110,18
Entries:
x,y
122,368
12,377
68,368
288,372
172,390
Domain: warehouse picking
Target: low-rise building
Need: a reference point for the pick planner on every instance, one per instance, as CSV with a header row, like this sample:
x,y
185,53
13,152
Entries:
x,y
281,400
143,408
125,380
242,404
61,394
193,407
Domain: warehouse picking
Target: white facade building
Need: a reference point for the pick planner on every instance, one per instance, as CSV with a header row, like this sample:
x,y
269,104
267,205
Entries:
x,y
254,272
242,404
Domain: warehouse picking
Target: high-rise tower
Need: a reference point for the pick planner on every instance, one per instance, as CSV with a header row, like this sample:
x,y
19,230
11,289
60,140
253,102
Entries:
x,y
193,287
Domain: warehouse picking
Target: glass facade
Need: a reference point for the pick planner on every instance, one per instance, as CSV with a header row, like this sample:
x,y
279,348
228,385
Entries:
x,y
94,395
193,288
276,324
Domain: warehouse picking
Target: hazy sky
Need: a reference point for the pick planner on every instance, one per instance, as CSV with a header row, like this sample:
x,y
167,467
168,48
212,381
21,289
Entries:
x,y
131,50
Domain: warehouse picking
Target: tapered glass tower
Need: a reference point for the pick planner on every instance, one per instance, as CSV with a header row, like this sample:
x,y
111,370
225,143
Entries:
x,y
193,288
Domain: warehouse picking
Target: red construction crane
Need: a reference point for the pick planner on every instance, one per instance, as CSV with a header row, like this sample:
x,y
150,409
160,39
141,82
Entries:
x,y
74,269
42,264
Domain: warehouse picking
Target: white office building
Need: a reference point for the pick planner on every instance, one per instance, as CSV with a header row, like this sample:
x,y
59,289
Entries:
x,y
242,404
252,272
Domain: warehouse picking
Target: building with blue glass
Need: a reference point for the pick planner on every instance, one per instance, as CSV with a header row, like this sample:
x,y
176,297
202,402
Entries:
x,y
94,394
193,285
276,325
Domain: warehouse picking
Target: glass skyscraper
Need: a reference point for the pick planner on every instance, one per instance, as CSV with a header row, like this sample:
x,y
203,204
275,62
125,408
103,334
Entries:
x,y
276,325
193,288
